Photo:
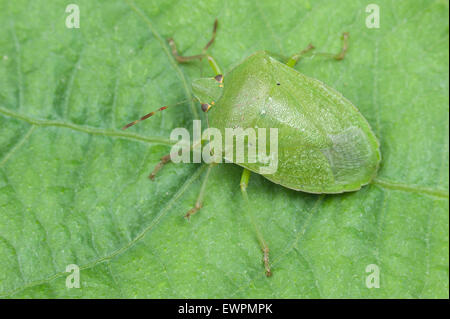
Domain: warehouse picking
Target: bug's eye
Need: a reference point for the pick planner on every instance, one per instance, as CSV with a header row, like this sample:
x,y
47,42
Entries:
x,y
219,78
205,107
278,83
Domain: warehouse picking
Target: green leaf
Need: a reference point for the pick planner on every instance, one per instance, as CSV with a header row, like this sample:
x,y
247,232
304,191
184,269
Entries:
x,y
74,187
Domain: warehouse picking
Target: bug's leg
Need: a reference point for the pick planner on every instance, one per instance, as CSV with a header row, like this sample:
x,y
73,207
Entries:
x,y
180,58
164,160
199,202
244,183
339,56
184,59
294,59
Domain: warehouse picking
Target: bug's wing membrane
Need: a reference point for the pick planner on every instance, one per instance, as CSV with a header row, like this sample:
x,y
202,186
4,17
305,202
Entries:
x,y
349,155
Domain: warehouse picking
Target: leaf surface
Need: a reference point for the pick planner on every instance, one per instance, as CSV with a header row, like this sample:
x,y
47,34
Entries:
x,y
74,187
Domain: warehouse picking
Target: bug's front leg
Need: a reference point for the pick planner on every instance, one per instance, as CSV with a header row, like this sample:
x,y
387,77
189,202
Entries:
x,y
244,183
164,160
184,59
206,105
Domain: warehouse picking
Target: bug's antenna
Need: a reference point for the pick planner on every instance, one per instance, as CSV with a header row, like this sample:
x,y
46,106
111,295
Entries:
x,y
146,116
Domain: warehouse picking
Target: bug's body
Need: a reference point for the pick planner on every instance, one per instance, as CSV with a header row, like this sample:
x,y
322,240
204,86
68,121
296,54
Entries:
x,y
324,144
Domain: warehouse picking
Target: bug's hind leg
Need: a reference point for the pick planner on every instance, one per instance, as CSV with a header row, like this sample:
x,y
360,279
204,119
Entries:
x,y
199,202
339,56
244,183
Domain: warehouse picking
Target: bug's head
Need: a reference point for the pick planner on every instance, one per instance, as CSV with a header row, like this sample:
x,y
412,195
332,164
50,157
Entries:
x,y
208,91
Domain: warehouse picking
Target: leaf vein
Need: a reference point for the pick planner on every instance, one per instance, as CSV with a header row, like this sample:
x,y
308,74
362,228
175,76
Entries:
x,y
17,145
87,129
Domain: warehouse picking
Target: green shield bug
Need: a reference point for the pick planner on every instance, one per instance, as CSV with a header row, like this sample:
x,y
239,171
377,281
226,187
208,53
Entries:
x,y
324,144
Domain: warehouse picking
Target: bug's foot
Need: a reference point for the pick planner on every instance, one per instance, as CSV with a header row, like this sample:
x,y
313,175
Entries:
x,y
193,210
266,261
341,55
164,160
